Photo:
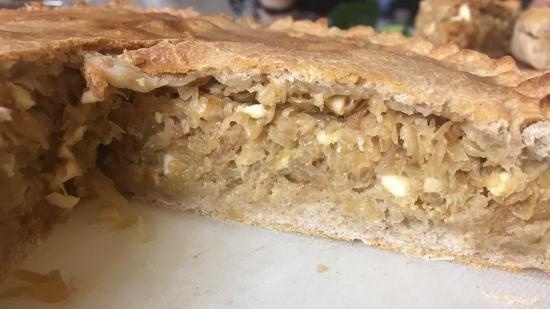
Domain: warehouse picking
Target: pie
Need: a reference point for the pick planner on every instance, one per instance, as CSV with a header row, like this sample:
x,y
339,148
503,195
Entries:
x,y
531,39
482,25
354,135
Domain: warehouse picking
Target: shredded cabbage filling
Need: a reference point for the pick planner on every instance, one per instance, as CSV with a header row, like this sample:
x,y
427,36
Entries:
x,y
265,142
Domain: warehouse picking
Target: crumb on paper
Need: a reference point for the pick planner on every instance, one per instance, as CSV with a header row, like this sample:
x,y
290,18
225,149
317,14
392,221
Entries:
x,y
321,268
511,299
146,229
198,254
122,217
48,288
107,214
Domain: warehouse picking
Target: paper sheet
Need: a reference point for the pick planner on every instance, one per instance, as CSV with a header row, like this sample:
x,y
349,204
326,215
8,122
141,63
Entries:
x,y
198,262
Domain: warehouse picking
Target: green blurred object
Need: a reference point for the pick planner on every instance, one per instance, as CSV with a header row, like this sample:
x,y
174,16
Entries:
x,y
394,28
350,13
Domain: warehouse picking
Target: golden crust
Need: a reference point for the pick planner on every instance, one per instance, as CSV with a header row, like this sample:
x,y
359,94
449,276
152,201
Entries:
x,y
537,86
503,69
38,32
459,84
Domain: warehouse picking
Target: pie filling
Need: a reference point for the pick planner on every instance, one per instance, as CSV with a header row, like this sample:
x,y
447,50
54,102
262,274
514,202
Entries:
x,y
252,139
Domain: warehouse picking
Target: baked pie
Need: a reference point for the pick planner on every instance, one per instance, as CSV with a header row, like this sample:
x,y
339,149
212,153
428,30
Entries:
x,y
483,25
355,135
531,39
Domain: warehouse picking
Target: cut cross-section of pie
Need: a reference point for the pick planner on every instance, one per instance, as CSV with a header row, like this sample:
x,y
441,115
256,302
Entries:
x,y
432,151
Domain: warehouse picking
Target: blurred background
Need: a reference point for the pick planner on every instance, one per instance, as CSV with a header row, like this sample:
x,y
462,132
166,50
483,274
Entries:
x,y
387,15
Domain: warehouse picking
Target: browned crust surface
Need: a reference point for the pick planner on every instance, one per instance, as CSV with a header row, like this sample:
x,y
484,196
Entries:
x,y
419,80
40,33
459,84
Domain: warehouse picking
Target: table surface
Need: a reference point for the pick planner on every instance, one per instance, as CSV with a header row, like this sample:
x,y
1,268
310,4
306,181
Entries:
x,y
198,262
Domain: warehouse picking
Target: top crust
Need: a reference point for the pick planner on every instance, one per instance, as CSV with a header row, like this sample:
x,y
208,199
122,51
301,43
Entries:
x,y
458,84
38,32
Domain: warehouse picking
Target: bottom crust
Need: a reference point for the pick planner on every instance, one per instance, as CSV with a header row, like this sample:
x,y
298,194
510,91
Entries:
x,y
323,220
314,219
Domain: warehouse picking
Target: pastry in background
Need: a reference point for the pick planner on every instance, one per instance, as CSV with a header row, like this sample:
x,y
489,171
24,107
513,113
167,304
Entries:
x,y
539,3
531,39
483,25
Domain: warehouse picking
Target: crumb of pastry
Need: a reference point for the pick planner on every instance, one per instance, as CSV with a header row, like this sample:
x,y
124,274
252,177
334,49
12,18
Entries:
x,y
47,288
321,268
